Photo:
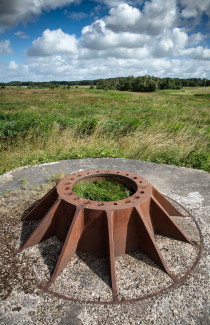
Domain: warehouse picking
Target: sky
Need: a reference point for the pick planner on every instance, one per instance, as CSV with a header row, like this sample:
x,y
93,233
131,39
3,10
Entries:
x,y
45,40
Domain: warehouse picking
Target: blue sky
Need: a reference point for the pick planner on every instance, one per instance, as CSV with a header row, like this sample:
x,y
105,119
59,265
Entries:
x,y
42,40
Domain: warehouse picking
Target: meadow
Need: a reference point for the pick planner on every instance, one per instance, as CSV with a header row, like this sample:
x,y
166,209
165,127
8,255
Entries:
x,y
45,125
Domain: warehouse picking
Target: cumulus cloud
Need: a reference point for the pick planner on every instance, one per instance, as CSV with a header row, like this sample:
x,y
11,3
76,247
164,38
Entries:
x,y
170,43
98,37
197,53
123,18
5,47
52,42
127,27
127,41
194,8
196,38
12,12
159,15
125,32
154,19
64,68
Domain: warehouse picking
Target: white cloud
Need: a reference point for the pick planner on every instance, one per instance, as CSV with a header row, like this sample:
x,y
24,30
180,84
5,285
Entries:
x,y
52,42
127,41
194,8
197,53
76,15
196,38
115,3
64,68
123,18
127,27
170,43
14,11
156,16
98,37
5,47
159,15
21,34
13,65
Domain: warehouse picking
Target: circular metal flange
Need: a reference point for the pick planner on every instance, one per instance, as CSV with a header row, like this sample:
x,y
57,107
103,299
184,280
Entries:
x,y
138,185
107,228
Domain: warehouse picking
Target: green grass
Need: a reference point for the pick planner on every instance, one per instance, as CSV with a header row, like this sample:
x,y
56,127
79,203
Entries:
x,y
42,125
101,190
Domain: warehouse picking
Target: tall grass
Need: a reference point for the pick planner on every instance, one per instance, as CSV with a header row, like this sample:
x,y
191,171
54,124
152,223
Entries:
x,y
48,126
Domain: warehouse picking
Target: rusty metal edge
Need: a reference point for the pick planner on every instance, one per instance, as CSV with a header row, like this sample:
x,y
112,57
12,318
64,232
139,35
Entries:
x,y
151,295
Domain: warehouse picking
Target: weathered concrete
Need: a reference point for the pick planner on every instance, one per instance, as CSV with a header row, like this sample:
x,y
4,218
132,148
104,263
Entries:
x,y
170,180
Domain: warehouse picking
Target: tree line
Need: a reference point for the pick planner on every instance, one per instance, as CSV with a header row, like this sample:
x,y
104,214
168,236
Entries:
x,y
130,83
149,83
48,84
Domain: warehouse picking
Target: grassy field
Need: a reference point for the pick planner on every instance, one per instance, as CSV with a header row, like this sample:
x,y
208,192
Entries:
x,y
42,125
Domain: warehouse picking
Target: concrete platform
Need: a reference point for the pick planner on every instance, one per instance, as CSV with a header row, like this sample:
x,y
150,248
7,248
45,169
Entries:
x,y
27,304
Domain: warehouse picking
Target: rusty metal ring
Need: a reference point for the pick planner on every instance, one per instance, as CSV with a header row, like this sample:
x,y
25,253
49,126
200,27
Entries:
x,y
128,224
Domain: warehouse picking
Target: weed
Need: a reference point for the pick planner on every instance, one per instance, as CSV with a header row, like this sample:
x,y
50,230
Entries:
x,y
57,177
24,183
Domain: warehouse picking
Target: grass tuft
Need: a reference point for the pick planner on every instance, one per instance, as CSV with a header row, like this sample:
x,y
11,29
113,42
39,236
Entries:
x,y
58,177
101,190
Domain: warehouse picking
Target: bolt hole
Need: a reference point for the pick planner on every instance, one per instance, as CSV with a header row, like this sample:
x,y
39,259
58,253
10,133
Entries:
x,y
67,188
142,192
136,197
127,174
140,182
79,175
127,201
97,171
71,179
87,173
135,178
118,172
115,203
